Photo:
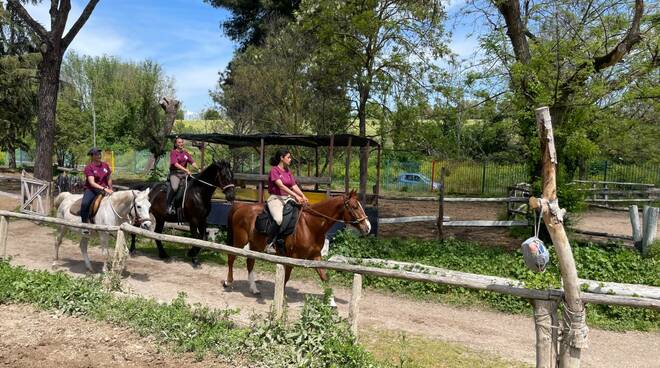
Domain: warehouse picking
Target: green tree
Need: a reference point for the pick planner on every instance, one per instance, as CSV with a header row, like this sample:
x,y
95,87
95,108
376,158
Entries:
x,y
53,45
575,57
388,47
250,20
18,70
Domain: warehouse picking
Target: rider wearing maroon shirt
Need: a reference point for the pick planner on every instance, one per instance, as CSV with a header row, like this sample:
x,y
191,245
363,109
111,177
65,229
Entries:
x,y
282,187
97,181
179,160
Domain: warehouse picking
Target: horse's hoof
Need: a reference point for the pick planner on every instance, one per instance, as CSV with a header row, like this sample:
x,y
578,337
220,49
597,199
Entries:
x,y
132,252
256,292
196,263
227,285
163,256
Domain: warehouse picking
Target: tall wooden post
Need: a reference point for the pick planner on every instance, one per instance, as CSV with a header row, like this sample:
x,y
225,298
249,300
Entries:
x,y
316,162
377,187
348,166
575,330
354,308
278,298
330,159
545,318
262,168
650,228
636,227
3,236
363,191
441,205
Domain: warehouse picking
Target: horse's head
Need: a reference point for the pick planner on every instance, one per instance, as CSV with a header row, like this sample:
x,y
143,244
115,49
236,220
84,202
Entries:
x,y
140,209
224,178
354,213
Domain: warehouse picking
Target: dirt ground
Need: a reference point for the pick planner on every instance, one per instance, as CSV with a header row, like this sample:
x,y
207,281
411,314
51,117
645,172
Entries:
x,y
508,336
36,339
600,220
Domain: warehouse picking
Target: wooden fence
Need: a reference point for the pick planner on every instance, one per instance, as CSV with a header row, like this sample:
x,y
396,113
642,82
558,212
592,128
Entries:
x,y
640,296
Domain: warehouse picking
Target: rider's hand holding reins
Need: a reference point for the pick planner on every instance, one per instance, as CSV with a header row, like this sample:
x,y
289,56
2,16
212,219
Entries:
x,y
107,191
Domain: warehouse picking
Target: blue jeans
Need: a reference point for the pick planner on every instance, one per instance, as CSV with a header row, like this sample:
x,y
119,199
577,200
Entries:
x,y
87,199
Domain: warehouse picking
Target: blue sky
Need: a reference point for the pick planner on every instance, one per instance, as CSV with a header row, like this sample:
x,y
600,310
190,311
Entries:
x,y
184,36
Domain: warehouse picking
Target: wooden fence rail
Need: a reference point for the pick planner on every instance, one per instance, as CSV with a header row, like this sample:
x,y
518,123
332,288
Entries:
x,y
602,293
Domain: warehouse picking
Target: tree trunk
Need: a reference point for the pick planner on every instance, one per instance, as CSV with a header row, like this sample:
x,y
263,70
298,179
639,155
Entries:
x,y
11,151
48,88
170,106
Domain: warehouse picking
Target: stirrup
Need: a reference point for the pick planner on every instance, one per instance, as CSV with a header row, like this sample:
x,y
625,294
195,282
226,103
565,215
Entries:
x,y
270,248
171,210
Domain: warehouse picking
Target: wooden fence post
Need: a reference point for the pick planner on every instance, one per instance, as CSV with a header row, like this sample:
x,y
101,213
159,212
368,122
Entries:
x,y
441,205
3,236
575,330
354,308
545,320
636,227
650,228
278,299
112,277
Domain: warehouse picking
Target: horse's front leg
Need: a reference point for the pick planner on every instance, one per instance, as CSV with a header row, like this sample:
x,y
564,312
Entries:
x,y
252,277
58,242
198,231
325,281
83,249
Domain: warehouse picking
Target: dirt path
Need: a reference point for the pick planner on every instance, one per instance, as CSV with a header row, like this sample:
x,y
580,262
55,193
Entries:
x,y
508,336
36,339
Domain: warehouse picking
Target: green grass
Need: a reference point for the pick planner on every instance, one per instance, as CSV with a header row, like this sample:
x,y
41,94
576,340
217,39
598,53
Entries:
x,y
409,351
612,262
320,338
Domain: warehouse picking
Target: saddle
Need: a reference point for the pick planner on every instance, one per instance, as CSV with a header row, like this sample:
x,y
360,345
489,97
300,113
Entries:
x,y
94,208
265,224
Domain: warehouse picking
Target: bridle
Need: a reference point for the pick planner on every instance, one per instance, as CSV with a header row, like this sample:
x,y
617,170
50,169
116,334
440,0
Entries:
x,y
347,207
185,189
137,220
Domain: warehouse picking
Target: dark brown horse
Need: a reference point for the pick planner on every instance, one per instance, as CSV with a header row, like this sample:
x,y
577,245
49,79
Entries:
x,y
196,206
307,240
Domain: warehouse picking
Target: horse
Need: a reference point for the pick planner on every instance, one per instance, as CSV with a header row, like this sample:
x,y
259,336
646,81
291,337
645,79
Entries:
x,y
307,240
198,191
118,207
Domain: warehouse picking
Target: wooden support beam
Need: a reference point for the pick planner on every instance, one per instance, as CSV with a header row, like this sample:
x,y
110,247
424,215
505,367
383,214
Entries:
x,y
354,307
650,228
3,236
278,299
636,227
262,168
347,169
545,322
330,160
377,186
441,204
574,324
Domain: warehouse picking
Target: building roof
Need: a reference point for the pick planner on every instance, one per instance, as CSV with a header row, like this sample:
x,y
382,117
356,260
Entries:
x,y
254,140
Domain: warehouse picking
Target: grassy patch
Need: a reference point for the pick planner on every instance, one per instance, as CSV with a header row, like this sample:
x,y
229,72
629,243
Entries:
x,y
319,339
408,351
613,262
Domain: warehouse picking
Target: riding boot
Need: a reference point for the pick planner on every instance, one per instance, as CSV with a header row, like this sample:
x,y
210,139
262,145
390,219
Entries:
x,y
170,199
280,246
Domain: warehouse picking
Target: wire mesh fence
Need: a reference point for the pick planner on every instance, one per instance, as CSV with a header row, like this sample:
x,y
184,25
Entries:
x,y
463,177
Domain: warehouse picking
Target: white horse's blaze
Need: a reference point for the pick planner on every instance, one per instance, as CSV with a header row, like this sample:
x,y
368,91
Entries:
x,y
253,284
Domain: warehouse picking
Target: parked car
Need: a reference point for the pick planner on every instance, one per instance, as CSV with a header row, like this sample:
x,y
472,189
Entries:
x,y
416,181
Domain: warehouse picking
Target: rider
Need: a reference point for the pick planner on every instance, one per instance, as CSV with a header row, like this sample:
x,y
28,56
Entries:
x,y
282,188
97,181
179,160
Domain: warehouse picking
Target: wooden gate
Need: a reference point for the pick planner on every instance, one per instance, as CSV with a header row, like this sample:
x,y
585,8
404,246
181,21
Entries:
x,y
35,195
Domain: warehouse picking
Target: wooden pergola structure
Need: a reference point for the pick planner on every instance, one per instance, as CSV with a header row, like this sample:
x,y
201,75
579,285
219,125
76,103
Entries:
x,y
260,141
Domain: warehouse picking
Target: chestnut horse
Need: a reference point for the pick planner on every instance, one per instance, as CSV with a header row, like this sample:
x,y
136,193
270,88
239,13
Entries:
x,y
307,240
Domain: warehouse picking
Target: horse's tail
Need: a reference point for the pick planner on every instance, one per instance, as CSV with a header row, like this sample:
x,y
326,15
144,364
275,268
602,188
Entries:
x,y
60,197
230,230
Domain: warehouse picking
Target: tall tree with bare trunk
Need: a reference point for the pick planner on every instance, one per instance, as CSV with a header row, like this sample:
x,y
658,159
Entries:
x,y
54,44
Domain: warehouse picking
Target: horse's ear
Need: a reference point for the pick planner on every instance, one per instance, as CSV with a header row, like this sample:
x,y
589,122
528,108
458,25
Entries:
x,y
352,194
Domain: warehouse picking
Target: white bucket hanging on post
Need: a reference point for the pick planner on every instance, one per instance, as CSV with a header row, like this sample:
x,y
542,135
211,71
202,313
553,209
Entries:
x,y
534,252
